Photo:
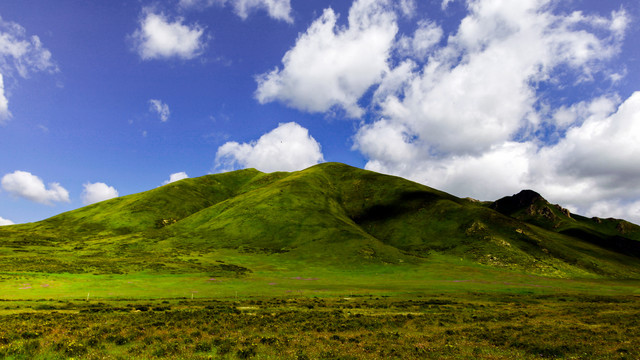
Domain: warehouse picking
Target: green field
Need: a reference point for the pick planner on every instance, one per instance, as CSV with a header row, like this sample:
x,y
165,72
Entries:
x,y
434,310
331,262
351,317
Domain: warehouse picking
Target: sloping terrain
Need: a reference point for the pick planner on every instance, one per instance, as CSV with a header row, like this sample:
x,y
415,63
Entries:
x,y
330,215
614,234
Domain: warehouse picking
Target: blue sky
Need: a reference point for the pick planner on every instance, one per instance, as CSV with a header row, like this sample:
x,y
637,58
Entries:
x,y
480,98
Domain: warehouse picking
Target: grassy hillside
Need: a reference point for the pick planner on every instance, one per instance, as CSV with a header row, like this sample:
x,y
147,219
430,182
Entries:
x,y
328,216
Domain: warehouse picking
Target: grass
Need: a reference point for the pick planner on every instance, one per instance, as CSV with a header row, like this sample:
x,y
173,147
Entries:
x,y
443,326
272,278
431,311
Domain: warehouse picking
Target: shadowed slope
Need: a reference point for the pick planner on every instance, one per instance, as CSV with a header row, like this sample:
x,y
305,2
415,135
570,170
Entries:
x,y
614,234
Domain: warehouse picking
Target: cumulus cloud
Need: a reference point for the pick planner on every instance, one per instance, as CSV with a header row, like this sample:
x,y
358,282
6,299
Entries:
x,y
160,38
289,147
19,55
426,36
332,66
160,108
96,192
176,177
480,89
4,222
277,9
26,185
596,162
387,144
604,146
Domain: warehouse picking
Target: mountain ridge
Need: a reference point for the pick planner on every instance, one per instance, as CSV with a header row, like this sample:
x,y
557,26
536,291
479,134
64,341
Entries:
x,y
330,214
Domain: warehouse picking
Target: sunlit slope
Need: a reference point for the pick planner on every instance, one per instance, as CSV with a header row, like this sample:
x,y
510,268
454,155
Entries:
x,y
301,214
150,209
336,213
327,215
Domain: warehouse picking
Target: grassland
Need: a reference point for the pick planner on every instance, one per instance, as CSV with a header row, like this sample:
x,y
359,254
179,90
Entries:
x,y
331,262
428,311
494,325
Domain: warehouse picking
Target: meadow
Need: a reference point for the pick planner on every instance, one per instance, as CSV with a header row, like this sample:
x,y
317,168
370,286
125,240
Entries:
x,y
473,325
432,312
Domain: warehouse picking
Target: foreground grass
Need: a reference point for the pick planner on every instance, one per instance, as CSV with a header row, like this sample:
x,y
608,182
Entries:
x,y
461,326
446,308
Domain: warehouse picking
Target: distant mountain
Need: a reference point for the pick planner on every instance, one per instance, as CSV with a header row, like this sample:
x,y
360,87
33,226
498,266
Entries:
x,y
327,215
614,234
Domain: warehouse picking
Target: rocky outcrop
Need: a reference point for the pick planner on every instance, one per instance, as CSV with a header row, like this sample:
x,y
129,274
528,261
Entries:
x,y
525,199
532,203
621,227
564,211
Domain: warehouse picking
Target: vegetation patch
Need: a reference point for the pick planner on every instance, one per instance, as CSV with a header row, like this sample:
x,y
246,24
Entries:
x,y
471,326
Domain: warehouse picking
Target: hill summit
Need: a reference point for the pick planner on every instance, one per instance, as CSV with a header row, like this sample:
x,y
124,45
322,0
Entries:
x,y
523,199
530,206
329,215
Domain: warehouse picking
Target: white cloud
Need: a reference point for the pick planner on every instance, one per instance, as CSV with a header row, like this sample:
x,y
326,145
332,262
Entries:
x,y
4,103
159,38
392,83
480,89
96,192
332,66
619,209
573,115
597,160
289,147
407,7
4,222
426,36
160,108
22,55
387,143
26,185
605,146
445,4
277,9
176,177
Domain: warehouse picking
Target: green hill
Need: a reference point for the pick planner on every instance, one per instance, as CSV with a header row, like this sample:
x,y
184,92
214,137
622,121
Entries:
x,y
330,216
